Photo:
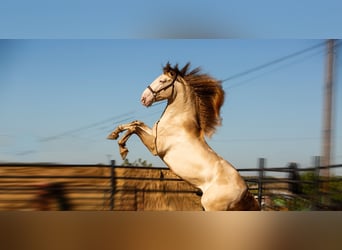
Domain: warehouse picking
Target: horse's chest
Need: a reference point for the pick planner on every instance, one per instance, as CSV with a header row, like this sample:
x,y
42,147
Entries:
x,y
187,163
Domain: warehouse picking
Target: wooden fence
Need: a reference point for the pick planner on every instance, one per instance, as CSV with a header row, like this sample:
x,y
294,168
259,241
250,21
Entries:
x,y
111,187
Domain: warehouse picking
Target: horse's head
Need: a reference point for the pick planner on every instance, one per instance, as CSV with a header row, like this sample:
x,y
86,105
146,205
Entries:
x,y
161,88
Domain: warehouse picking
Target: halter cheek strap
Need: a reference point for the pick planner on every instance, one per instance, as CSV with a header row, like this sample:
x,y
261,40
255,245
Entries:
x,y
152,91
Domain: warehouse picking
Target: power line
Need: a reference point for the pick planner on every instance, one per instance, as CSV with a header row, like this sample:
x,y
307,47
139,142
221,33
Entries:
x,y
276,61
68,132
276,69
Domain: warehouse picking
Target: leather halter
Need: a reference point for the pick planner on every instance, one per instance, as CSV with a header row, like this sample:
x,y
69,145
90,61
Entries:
x,y
166,87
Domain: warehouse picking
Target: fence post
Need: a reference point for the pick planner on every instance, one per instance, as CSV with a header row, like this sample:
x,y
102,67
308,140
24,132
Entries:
x,y
112,183
261,178
295,185
316,182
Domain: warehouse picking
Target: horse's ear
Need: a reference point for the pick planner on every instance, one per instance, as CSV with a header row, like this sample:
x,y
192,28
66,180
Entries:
x,y
167,68
173,71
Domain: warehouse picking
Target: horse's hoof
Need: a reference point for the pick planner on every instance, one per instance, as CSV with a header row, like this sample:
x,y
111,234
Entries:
x,y
113,136
123,152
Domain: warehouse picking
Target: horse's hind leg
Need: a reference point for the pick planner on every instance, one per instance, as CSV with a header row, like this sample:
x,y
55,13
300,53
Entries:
x,y
213,202
222,197
218,199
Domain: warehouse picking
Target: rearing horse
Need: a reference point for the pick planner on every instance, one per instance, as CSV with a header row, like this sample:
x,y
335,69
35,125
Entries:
x,y
178,138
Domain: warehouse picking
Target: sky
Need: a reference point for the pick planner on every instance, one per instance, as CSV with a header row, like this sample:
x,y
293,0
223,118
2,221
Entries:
x,y
71,71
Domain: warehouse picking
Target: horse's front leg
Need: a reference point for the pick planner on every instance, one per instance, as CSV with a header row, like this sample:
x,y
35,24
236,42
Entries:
x,y
140,129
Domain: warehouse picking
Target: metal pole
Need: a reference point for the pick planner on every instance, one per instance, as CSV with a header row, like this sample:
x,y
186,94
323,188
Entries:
x,y
113,184
316,183
328,109
261,178
328,117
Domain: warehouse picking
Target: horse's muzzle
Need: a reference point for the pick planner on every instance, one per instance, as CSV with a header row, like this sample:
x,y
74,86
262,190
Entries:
x,y
146,98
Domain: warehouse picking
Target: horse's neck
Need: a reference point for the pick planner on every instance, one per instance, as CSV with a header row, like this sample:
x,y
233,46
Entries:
x,y
180,111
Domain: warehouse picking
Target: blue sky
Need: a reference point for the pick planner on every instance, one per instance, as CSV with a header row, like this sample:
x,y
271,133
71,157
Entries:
x,y
62,91
59,98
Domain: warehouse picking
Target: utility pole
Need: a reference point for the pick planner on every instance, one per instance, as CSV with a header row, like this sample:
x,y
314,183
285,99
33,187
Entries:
x,y
328,108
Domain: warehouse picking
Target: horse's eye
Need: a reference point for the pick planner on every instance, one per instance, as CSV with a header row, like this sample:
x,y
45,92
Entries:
x,y
162,80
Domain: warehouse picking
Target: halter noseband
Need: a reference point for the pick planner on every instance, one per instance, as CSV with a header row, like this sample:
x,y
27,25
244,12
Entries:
x,y
166,87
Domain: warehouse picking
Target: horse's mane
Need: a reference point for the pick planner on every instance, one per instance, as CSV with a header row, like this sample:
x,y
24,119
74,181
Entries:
x,y
207,93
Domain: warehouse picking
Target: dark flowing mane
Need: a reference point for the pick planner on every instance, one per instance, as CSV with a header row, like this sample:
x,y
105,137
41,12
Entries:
x,y
207,92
